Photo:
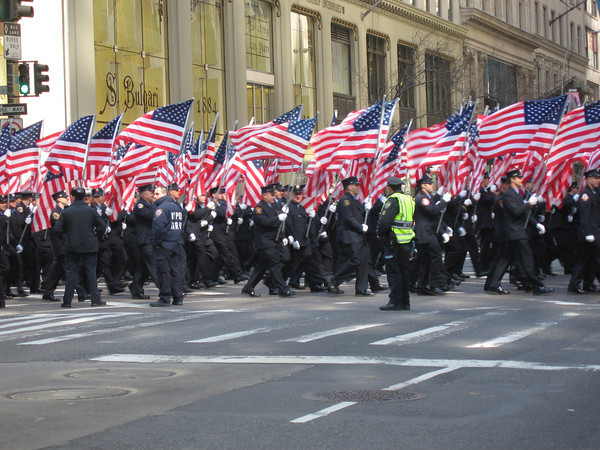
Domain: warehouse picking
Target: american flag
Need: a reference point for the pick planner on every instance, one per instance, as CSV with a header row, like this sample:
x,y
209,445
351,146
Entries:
x,y
254,179
418,144
5,136
101,144
139,159
47,142
578,135
239,138
286,141
223,155
52,184
70,150
388,161
184,165
162,128
450,146
24,155
166,174
512,129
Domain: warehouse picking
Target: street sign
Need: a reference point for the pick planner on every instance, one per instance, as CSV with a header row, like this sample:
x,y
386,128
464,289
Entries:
x,y
15,124
13,109
12,41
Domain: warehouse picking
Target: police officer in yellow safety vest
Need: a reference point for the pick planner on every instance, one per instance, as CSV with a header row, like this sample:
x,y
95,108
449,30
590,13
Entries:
x,y
395,229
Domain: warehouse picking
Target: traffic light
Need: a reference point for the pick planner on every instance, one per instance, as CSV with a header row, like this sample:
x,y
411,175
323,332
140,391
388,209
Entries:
x,y
24,88
39,78
13,10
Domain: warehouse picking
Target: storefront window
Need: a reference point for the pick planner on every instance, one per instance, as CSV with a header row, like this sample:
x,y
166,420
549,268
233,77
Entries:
x,y
261,100
439,88
303,63
259,36
376,51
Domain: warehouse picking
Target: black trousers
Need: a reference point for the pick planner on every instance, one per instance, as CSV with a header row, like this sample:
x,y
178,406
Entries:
x,y
72,268
268,259
145,267
397,268
169,275
354,257
430,263
524,258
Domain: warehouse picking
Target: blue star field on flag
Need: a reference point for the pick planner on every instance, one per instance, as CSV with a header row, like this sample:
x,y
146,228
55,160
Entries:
x,y
221,152
592,113
79,131
289,116
5,138
398,141
302,127
175,114
371,117
538,112
25,139
108,131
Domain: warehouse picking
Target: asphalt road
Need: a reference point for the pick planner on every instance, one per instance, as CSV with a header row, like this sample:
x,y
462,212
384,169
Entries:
x,y
466,370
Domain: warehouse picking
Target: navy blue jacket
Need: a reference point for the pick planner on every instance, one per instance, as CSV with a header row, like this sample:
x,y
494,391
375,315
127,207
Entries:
x,y
167,225
80,225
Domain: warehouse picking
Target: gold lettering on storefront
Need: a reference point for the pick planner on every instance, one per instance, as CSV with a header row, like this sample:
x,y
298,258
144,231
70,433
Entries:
x,y
329,5
134,94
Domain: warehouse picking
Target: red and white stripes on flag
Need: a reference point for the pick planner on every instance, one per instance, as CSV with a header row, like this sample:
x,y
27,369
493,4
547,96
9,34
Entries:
x,y
418,144
70,149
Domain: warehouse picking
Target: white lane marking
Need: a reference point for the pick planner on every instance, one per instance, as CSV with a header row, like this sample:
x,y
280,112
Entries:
x,y
512,337
558,302
229,336
344,303
105,331
435,332
341,360
476,308
334,332
342,405
60,323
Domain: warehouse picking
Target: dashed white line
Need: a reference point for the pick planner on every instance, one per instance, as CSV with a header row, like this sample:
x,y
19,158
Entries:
x,y
512,337
229,336
333,332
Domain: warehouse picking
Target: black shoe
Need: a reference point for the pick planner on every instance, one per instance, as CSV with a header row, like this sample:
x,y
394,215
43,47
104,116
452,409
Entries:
x,y
317,288
464,276
221,280
542,290
10,294
236,280
83,298
405,307
335,290
425,292
187,289
100,303
210,284
250,292
592,288
499,290
65,305
483,273
159,303
296,286
36,291
576,291
22,293
363,293
116,291
391,307
177,302
289,293
50,298
140,296
197,285
273,292
379,288
437,291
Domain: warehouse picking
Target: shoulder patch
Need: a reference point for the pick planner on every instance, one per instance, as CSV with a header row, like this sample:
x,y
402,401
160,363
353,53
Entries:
x,y
346,202
20,209
425,202
55,215
387,205
139,205
585,197
258,210
158,212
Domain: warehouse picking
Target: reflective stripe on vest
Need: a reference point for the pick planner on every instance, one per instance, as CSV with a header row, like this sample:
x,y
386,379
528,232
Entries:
x,y
402,227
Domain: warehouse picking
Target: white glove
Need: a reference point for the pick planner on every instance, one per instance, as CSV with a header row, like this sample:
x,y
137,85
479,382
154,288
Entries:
x,y
365,227
493,215
285,209
203,223
108,229
28,220
243,206
7,213
19,248
449,231
569,218
296,245
189,207
368,204
108,211
541,228
461,231
312,213
210,205
445,238
323,220
240,220
123,226
541,218
477,196
291,239
533,200
462,193
447,197
474,218
210,228
576,197
440,191
468,202
590,238
213,214
493,188
284,241
251,223
34,209
332,208
192,237
282,217
573,210
229,221
465,216
323,235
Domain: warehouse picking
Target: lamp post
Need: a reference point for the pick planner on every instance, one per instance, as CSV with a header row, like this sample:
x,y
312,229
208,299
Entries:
x,y
570,49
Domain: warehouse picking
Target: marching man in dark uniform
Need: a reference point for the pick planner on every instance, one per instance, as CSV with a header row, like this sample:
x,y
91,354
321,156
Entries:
x,y
144,214
395,230
80,225
351,234
167,240
267,220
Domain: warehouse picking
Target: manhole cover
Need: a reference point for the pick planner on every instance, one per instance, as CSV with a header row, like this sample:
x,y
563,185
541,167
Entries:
x,y
69,394
120,374
364,396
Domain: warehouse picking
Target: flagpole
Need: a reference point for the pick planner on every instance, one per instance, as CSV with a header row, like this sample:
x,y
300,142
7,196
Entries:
x,y
87,149
112,152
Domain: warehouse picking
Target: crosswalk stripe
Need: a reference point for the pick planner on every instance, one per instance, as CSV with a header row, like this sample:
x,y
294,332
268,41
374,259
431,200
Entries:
x,y
334,332
512,337
229,336
59,323
437,331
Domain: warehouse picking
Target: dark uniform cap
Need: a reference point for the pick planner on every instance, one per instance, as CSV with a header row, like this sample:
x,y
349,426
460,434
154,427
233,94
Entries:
x,y
504,179
174,187
214,190
592,173
279,186
425,180
25,194
78,191
146,187
270,188
3,199
574,185
350,180
297,189
395,181
514,173
88,192
12,198
486,175
59,194
99,192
